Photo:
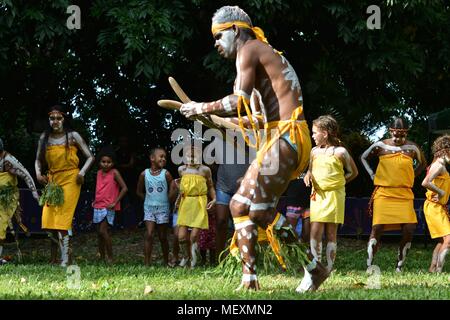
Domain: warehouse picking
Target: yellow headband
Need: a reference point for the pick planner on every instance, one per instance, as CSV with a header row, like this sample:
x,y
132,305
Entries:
x,y
259,33
57,112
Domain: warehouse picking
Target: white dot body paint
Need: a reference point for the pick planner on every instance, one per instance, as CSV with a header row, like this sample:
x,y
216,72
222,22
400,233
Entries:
x,y
255,232
266,180
252,191
249,235
244,232
239,236
245,248
252,182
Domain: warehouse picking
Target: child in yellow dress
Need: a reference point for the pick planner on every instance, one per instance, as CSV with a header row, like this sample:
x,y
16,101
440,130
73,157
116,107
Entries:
x,y
195,185
327,175
399,162
437,181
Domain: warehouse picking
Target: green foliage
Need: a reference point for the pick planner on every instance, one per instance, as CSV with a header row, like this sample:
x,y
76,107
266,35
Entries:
x,y
8,196
34,278
112,71
53,195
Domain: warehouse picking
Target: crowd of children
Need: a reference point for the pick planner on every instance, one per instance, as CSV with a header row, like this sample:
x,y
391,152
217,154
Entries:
x,y
186,206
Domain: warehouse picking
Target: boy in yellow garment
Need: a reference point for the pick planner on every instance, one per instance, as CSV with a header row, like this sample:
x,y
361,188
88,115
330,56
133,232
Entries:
x,y
393,199
437,181
331,167
57,161
195,186
10,169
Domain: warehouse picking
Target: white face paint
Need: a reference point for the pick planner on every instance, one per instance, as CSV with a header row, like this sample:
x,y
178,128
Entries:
x,y
56,120
225,43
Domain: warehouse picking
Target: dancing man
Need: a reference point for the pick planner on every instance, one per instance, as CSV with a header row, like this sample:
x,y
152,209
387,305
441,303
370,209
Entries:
x,y
268,89
393,199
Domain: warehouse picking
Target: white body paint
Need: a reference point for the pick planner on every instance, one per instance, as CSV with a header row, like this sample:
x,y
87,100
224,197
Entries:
x,y
392,149
331,249
316,249
441,260
402,261
372,243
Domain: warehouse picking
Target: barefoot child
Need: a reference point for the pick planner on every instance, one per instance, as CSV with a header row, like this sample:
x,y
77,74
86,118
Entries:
x,y
399,162
328,163
153,188
437,181
196,183
110,189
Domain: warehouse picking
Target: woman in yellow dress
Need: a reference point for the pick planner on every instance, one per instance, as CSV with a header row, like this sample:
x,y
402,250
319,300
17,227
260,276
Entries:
x,y
195,186
331,167
57,162
437,181
10,169
393,199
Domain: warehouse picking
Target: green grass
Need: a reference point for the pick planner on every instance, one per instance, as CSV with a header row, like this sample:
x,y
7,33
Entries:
x,y
34,278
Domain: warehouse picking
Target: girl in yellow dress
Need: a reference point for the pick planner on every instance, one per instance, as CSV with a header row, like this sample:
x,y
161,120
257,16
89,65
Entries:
x,y
437,181
331,167
57,162
393,199
196,183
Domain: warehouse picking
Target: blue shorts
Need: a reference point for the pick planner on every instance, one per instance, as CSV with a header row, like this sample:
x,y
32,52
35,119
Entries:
x,y
223,197
286,138
157,214
101,214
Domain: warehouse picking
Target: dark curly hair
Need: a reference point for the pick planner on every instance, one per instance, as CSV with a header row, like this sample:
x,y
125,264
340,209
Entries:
x,y
441,147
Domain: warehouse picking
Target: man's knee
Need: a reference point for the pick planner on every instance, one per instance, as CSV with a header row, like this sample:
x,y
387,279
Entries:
x,y
238,209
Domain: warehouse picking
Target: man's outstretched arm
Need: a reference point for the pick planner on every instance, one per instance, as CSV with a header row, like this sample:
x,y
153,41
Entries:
x,y
243,87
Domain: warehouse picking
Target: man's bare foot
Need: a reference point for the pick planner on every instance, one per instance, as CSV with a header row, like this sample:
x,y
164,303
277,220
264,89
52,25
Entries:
x,y
318,276
312,280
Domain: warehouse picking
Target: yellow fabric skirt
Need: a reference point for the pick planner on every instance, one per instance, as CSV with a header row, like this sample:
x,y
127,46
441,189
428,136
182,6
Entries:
x,y
60,217
7,213
328,206
437,219
393,212
192,212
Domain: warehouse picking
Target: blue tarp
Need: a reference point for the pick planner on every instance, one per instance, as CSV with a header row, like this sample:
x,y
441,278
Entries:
x,y
357,221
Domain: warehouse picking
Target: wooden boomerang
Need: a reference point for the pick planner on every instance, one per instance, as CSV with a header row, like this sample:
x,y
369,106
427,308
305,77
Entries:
x,y
216,121
169,104
185,99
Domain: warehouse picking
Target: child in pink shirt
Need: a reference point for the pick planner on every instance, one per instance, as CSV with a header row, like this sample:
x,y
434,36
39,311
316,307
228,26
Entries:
x,y
109,190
